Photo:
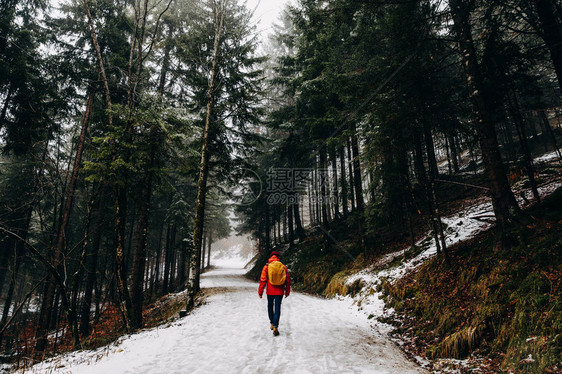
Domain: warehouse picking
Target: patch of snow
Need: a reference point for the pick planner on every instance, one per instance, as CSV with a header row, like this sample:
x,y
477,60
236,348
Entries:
x,y
423,362
547,157
456,366
57,333
460,227
529,359
34,304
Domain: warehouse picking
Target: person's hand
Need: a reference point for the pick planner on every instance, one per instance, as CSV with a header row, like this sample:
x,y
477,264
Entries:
x,y
286,296
261,296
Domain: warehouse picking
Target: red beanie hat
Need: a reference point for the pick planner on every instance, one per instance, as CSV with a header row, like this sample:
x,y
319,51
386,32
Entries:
x,y
274,253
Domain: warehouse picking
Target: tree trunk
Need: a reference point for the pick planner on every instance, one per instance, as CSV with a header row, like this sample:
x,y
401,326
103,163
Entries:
x,y
551,34
430,151
343,182
209,252
527,155
326,196
129,237
335,184
125,303
310,207
183,260
534,117
458,148
203,251
17,309
77,280
148,275
119,192
317,219
350,168
91,268
520,126
533,129
99,286
289,212
167,261
278,213
437,218
165,62
158,262
61,238
267,238
195,263
282,217
454,153
5,106
139,259
61,241
204,242
551,134
9,295
429,188
272,225
5,258
448,148
173,259
323,180
357,182
419,168
503,201
19,252
209,243
473,158
298,223
100,64
357,171
19,249
372,191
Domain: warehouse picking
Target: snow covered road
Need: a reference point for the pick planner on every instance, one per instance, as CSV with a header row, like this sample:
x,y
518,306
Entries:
x,y
230,334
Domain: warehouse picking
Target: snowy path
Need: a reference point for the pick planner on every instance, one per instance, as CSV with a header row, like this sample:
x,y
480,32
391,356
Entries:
x,y
230,334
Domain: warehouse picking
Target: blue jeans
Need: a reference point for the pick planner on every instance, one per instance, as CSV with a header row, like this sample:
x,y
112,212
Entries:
x,y
274,308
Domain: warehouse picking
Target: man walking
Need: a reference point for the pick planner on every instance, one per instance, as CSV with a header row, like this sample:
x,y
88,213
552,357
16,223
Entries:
x,y
276,277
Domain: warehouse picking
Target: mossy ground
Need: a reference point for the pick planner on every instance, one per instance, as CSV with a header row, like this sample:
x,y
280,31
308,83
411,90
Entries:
x,y
505,304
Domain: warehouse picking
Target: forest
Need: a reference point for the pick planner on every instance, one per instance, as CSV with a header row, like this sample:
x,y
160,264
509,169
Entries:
x,y
134,134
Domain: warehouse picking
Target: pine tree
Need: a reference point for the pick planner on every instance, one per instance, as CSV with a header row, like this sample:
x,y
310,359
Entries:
x,y
225,87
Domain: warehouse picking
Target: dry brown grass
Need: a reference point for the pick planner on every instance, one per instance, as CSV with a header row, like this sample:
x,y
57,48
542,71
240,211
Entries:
x,y
460,343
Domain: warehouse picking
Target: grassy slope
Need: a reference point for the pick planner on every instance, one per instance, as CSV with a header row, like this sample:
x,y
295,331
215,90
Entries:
x,y
504,304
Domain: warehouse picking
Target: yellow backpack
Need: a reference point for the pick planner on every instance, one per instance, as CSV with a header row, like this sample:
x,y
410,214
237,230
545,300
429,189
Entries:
x,y
276,273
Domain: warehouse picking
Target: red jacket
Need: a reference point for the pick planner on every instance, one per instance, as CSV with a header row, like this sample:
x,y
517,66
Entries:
x,y
272,289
